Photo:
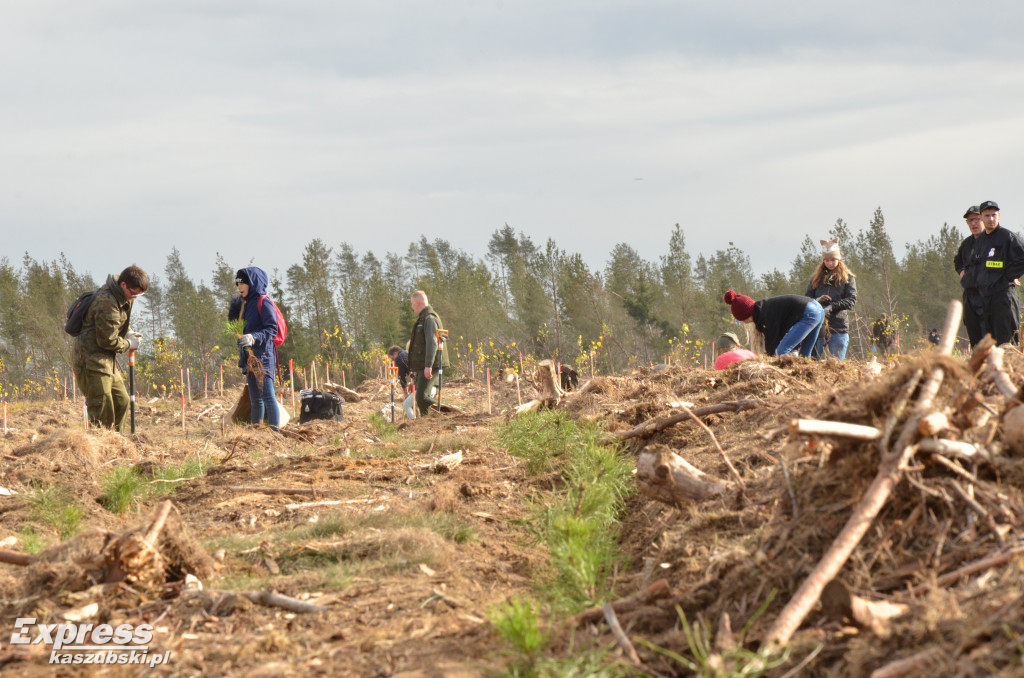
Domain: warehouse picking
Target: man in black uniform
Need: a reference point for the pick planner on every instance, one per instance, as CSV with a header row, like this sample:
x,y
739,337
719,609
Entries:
x,y
997,259
972,298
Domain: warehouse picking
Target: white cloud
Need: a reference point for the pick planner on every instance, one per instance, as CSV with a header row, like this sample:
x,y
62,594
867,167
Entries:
x,y
250,128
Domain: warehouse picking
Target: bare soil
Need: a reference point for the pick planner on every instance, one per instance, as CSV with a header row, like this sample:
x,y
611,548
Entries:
x,y
409,559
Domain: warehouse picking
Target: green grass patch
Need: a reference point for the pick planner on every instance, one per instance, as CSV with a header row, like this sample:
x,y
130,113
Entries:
x,y
57,508
32,542
449,527
122,489
540,438
580,527
306,558
382,428
518,622
189,468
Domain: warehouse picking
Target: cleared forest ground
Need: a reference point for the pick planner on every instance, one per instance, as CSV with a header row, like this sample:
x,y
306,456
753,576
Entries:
x,y
410,559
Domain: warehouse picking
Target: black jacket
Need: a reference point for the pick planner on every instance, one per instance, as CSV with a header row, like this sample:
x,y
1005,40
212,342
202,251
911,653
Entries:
x,y
844,297
402,363
774,316
996,259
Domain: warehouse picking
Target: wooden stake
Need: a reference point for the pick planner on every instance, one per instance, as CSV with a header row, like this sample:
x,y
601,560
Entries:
x,y
291,380
74,387
519,392
206,384
220,384
188,382
489,390
85,416
327,366
5,417
182,410
343,379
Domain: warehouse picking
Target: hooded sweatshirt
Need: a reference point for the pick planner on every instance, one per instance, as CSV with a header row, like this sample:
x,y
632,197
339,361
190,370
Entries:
x,y
260,323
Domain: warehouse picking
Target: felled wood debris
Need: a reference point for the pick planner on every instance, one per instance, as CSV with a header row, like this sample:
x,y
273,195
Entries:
x,y
938,522
147,556
347,394
548,386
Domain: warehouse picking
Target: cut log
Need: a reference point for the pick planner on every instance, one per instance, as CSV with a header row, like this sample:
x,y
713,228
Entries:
x,y
531,406
547,383
15,558
447,462
995,373
667,477
933,424
954,448
347,394
1013,429
839,603
834,428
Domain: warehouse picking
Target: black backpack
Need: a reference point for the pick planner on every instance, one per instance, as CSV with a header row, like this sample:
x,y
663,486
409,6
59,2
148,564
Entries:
x,y
319,405
76,312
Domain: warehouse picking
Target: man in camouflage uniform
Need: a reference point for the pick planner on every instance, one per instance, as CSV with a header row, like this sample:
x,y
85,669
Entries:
x,y
424,358
105,333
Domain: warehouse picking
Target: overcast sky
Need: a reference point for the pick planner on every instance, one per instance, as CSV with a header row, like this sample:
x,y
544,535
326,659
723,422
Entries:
x,y
250,127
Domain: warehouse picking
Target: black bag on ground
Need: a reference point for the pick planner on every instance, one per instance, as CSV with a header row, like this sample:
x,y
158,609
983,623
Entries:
x,y
319,405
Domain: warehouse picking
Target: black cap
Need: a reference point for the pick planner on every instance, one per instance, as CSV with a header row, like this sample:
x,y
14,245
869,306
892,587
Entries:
x,y
242,277
973,209
989,205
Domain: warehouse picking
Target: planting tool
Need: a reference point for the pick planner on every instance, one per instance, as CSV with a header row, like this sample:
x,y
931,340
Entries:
x,y
131,384
393,373
442,336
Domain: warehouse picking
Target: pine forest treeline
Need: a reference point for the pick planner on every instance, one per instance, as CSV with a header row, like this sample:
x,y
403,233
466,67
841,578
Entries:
x,y
345,308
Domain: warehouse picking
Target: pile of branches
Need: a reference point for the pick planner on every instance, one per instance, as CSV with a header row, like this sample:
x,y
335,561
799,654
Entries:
x,y
895,514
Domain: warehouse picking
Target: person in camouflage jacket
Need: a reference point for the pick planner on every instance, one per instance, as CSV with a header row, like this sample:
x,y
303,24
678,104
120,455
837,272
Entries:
x,y
424,357
105,333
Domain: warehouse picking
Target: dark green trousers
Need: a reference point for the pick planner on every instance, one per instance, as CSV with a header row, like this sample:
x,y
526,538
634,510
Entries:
x,y
105,397
425,391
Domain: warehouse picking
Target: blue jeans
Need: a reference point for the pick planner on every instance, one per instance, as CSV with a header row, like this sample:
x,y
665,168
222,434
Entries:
x,y
837,344
804,333
264,402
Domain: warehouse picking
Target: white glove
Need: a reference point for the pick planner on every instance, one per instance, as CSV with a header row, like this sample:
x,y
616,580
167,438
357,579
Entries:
x,y
245,340
134,340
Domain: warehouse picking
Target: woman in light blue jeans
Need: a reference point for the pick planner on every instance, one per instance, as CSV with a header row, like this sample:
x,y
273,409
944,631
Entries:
x,y
785,323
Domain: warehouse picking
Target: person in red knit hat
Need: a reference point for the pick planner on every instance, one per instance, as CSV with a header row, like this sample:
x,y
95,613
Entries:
x,y
783,323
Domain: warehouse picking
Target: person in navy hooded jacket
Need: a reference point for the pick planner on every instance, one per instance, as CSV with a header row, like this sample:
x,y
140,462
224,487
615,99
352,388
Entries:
x,y
260,330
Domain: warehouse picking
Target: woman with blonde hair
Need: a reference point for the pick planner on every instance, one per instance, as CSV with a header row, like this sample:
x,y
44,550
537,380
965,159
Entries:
x,y
835,288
